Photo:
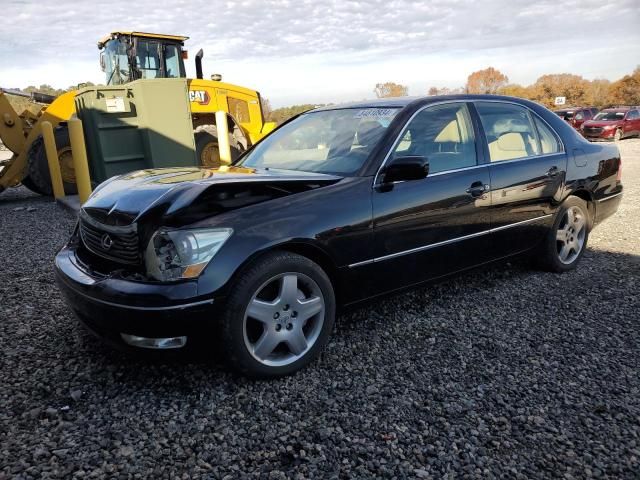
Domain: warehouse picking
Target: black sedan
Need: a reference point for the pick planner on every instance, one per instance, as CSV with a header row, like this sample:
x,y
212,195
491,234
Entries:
x,y
337,206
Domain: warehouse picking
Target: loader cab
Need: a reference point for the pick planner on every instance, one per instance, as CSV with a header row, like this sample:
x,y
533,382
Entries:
x,y
129,56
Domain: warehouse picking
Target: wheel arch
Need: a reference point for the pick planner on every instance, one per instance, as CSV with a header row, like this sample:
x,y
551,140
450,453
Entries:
x,y
587,196
307,249
206,119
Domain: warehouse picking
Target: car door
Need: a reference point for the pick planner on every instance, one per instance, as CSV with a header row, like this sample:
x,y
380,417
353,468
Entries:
x,y
632,123
436,225
527,167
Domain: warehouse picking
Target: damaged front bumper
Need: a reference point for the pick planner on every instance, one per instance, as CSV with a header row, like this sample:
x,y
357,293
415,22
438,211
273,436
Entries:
x,y
150,313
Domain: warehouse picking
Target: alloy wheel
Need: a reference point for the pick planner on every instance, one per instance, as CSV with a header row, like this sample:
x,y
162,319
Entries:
x,y
284,319
571,234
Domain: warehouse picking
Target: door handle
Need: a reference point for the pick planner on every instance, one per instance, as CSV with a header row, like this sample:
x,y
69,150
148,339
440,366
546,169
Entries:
x,y
552,172
477,189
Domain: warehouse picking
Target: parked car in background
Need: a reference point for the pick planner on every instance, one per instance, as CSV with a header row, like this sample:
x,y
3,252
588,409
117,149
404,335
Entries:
x,y
613,124
577,116
338,206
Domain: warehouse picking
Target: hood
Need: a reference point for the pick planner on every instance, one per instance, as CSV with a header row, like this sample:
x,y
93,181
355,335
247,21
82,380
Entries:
x,y
601,123
193,193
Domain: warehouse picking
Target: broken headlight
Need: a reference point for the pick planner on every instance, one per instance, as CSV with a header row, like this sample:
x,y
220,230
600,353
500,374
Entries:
x,y
177,254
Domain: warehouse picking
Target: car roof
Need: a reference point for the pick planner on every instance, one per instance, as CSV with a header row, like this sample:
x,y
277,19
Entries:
x,y
401,102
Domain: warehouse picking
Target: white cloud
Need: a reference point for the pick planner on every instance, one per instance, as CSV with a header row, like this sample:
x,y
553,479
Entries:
x,y
304,50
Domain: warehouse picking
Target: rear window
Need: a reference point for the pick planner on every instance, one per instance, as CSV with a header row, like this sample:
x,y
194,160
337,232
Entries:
x,y
239,109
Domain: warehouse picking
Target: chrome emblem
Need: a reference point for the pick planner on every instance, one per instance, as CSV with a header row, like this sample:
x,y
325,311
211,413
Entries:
x,y
106,241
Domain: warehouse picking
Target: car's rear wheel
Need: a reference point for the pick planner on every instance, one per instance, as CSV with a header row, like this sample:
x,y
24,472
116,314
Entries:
x,y
566,241
618,135
278,316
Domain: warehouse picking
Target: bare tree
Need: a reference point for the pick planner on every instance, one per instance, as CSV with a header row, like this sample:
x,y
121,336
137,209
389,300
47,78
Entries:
x,y
390,89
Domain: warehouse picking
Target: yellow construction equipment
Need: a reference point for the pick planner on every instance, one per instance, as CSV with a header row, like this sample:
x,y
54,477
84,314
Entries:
x,y
125,57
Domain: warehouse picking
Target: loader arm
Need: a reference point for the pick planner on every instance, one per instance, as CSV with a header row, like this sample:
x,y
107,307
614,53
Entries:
x,y
19,137
11,126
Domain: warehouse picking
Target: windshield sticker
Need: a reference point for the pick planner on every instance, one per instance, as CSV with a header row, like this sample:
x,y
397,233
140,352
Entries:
x,y
376,113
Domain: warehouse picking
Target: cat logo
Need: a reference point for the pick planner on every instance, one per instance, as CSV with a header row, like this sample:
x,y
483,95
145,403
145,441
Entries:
x,y
200,96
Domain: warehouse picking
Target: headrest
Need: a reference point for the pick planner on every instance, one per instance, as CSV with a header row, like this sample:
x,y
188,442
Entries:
x,y
504,125
511,142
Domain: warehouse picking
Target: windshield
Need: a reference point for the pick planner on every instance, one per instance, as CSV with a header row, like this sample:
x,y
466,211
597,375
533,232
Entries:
x,y
148,58
153,59
329,141
609,116
116,63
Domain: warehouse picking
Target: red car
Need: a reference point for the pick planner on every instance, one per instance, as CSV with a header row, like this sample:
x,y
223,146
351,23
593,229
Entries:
x,y
613,124
576,116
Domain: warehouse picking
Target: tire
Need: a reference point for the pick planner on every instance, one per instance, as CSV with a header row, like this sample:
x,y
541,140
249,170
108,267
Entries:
x,y
27,182
618,135
567,239
38,178
207,153
272,347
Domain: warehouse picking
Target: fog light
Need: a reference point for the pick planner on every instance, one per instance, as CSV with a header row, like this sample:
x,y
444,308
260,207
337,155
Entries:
x,y
157,343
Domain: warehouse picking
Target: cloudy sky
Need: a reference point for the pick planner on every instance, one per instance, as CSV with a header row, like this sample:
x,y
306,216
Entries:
x,y
310,51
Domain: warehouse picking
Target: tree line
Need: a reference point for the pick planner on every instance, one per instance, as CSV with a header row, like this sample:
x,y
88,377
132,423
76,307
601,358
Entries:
x,y
577,90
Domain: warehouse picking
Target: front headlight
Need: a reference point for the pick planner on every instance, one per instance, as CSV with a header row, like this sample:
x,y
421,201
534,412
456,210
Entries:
x,y
176,254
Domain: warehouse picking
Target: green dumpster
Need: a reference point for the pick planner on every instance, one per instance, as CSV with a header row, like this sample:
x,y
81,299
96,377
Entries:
x,y
143,124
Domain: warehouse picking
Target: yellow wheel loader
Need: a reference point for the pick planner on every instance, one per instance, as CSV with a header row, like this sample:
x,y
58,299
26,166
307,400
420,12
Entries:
x,y
125,57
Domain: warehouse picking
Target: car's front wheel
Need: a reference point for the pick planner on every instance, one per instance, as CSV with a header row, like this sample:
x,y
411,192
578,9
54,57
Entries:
x,y
618,135
567,239
278,316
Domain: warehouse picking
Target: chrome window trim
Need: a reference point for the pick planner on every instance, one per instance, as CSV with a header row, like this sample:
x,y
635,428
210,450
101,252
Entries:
x,y
558,137
520,159
610,197
562,150
444,172
446,242
404,131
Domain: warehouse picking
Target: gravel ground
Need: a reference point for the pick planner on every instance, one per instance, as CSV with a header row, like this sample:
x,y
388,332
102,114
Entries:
x,y
501,373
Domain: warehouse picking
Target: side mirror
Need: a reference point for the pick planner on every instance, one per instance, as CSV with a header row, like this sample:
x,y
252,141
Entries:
x,y
103,64
410,167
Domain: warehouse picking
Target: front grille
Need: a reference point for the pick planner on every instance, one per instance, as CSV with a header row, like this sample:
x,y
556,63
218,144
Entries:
x,y
593,130
119,244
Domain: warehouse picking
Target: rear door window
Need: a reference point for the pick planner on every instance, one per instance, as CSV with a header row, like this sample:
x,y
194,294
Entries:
x,y
509,131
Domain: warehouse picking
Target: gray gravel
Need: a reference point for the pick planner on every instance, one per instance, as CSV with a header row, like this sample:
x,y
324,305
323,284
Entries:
x,y
502,373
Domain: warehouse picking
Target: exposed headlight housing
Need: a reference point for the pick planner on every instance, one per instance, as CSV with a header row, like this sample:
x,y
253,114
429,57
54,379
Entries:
x,y
178,254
